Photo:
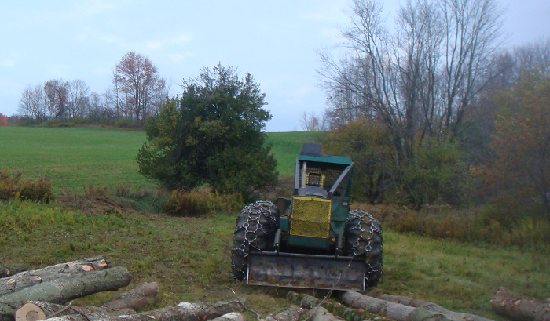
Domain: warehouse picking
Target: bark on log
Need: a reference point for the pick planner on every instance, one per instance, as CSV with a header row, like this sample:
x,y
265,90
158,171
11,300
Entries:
x,y
33,311
400,312
30,278
322,314
11,269
292,313
519,308
135,298
184,312
66,289
233,316
218,309
403,300
305,301
125,303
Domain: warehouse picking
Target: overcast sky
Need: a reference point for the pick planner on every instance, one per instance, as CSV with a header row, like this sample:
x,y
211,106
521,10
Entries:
x,y
274,40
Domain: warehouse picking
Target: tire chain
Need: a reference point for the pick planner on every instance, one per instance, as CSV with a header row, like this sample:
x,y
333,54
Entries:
x,y
252,228
368,224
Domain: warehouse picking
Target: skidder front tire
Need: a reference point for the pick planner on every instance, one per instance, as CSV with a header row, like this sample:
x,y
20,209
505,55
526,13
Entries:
x,y
363,238
255,230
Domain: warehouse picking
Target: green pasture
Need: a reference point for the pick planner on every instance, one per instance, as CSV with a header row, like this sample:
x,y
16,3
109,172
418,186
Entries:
x,y
74,158
287,145
190,257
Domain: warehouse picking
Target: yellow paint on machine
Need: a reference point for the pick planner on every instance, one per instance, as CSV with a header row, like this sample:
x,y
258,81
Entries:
x,y
310,216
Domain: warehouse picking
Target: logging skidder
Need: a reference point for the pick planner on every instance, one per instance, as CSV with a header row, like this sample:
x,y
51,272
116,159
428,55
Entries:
x,y
311,240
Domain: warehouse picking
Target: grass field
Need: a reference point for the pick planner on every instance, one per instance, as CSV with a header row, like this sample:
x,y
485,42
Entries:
x,y
190,257
76,157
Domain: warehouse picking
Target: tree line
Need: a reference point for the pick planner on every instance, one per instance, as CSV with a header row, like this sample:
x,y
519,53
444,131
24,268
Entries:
x,y
435,110
136,92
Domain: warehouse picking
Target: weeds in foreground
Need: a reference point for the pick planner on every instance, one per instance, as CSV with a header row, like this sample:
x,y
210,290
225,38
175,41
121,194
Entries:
x,y
12,185
201,203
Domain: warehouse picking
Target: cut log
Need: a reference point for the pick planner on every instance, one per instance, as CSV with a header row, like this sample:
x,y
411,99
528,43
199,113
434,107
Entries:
x,y
33,311
11,269
403,300
30,278
66,289
304,300
322,314
233,316
292,313
400,312
519,308
185,311
218,309
135,298
126,303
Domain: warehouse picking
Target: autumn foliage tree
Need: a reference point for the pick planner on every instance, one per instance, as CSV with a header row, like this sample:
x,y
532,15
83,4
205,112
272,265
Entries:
x,y
521,143
3,120
138,79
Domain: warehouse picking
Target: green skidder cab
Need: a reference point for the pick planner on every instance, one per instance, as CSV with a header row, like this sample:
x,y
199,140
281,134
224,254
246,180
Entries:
x,y
311,240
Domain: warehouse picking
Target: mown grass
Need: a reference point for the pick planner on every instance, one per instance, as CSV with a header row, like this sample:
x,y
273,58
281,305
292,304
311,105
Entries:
x,y
287,145
73,157
190,258
77,157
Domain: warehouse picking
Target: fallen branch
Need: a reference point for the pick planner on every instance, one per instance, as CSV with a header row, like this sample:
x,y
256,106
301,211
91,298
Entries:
x,y
30,278
519,308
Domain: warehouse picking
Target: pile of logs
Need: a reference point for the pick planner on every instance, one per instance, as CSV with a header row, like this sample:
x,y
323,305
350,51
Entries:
x,y
44,294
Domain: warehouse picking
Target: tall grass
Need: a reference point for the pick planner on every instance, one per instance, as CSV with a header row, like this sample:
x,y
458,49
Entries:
x,y
476,225
190,258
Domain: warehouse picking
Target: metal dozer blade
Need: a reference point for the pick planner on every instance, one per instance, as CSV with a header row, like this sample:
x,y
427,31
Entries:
x,y
306,271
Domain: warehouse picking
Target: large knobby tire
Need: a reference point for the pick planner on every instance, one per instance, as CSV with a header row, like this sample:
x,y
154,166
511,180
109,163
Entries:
x,y
255,230
363,238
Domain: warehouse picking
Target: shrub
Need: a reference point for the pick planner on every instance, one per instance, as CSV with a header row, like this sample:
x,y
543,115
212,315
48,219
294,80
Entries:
x,y
201,203
13,186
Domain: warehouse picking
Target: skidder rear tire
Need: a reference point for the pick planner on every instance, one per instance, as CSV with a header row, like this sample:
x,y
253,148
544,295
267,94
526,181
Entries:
x,y
255,230
363,238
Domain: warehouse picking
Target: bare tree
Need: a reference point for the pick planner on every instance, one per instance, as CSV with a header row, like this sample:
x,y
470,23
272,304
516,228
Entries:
x,y
32,103
310,122
77,98
472,28
420,78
